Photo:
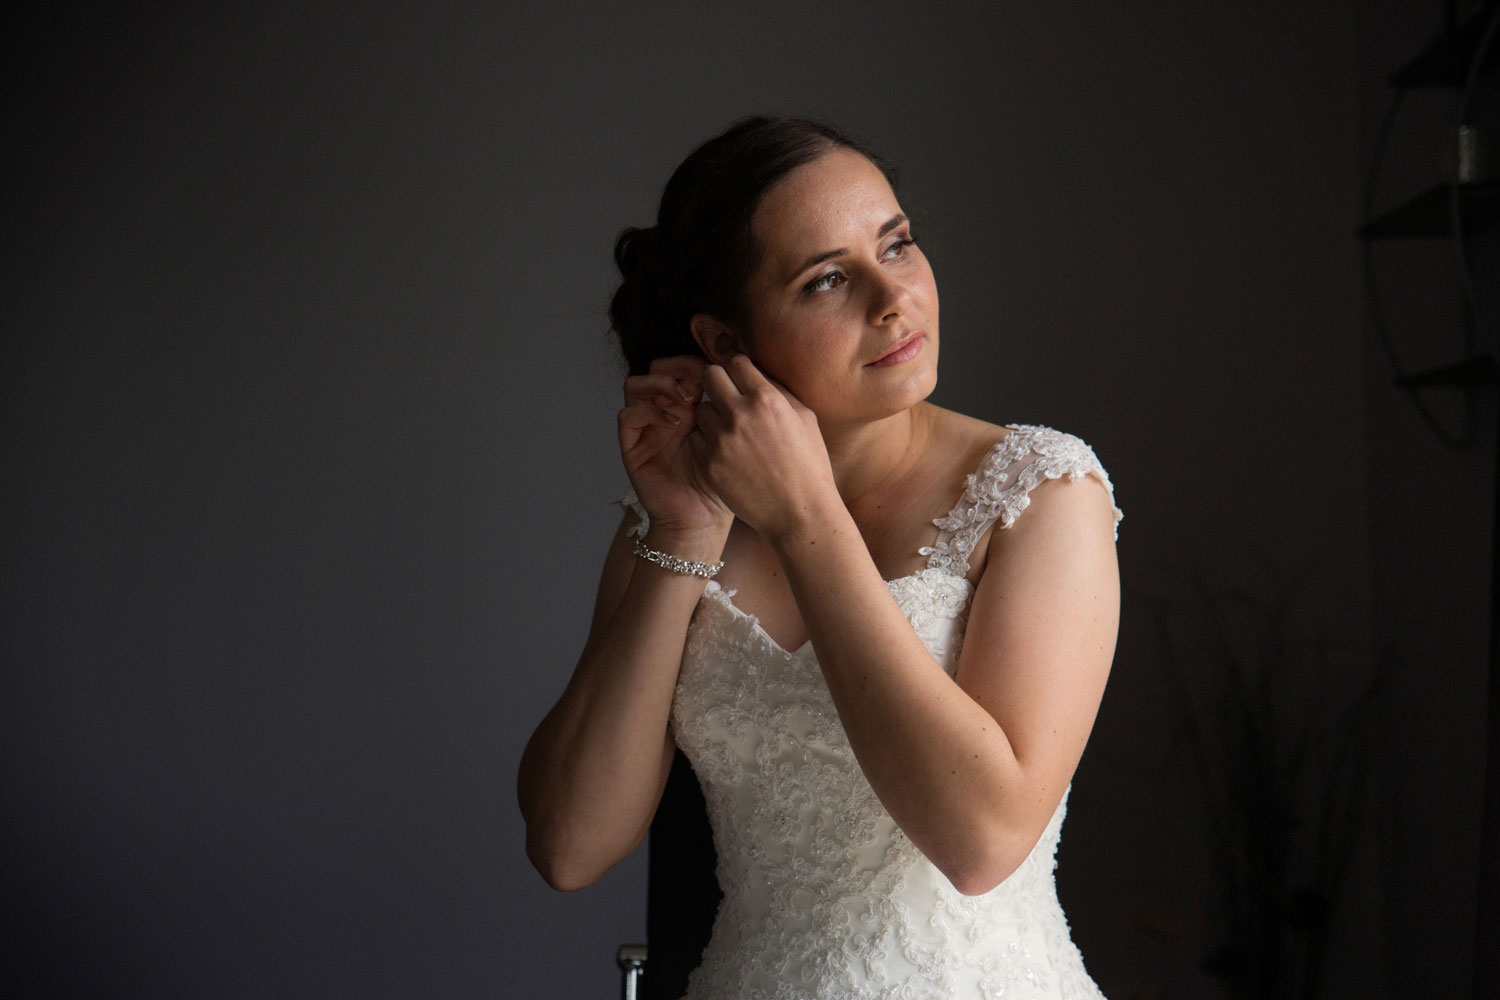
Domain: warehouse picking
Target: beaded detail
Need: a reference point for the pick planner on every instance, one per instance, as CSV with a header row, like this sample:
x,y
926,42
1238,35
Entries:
x,y
667,561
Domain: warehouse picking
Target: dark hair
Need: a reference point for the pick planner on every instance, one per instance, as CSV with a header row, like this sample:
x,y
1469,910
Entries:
x,y
701,253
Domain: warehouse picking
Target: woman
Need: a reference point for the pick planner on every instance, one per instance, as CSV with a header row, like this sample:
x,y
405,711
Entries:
x,y
883,694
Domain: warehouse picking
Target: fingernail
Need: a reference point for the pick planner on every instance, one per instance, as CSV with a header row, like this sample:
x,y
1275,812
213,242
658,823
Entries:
x,y
672,417
682,391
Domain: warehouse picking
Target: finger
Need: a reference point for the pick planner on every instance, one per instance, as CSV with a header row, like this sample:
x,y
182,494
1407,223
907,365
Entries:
x,y
687,369
785,392
699,448
718,387
750,378
708,422
679,365
643,415
746,377
663,386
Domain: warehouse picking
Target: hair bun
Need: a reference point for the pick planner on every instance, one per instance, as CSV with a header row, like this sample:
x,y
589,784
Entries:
x,y
636,311
702,252
637,253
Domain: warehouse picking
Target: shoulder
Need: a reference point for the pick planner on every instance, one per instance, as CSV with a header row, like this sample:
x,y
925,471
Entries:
x,y
1003,468
1003,464
1025,458
1070,525
956,434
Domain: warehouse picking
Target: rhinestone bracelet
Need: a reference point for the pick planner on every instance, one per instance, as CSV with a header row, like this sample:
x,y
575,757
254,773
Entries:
x,y
687,566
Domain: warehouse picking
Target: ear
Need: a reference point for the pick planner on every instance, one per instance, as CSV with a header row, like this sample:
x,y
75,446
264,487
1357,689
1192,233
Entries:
x,y
717,342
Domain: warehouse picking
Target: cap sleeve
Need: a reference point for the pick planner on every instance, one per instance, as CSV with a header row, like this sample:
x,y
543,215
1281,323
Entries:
x,y
1000,489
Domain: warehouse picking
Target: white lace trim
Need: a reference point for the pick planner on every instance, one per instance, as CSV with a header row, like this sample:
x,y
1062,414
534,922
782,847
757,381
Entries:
x,y
1001,489
825,898
631,502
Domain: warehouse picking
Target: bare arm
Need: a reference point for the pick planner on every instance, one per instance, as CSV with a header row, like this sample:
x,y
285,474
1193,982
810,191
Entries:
x,y
971,768
593,771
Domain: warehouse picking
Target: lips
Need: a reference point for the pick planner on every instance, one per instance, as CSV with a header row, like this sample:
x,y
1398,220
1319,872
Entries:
x,y
900,352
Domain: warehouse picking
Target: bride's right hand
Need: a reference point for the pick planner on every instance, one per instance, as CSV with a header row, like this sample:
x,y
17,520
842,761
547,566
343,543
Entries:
x,y
654,425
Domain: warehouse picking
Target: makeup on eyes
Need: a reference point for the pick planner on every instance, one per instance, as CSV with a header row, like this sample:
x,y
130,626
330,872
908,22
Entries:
x,y
895,221
812,287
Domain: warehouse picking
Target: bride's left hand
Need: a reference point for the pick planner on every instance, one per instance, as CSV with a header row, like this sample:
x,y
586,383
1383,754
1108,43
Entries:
x,y
760,448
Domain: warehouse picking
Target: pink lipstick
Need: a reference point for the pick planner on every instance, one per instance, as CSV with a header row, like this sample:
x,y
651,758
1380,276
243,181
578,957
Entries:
x,y
900,353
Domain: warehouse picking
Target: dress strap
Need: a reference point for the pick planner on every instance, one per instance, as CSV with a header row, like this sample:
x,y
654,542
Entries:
x,y
1001,489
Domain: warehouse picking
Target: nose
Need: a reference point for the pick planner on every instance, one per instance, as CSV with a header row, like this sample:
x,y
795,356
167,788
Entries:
x,y
890,298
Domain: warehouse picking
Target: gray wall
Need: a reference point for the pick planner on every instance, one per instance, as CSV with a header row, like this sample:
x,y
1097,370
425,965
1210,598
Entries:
x,y
308,438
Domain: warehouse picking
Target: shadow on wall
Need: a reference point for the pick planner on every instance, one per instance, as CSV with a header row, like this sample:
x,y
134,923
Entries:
x,y
1276,718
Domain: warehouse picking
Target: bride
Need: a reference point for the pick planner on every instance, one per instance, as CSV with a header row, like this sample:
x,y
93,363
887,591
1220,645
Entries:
x,y
880,630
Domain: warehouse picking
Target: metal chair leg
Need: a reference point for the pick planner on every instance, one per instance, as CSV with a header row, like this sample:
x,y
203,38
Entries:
x,y
632,960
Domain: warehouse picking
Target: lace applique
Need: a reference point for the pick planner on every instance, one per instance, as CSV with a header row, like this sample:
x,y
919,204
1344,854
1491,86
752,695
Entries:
x,y
629,500
934,602
1001,489
824,897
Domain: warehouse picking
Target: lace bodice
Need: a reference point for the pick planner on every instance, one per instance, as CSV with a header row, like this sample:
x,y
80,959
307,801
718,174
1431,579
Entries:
x,y
824,897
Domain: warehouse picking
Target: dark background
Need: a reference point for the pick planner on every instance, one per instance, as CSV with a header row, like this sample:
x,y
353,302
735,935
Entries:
x,y
308,452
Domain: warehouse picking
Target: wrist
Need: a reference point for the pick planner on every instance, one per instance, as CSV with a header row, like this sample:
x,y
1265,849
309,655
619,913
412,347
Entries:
x,y
696,544
685,567
811,518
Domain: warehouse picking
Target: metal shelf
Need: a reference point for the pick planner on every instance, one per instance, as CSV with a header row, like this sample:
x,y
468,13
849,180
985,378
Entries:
x,y
1430,213
1445,63
1469,372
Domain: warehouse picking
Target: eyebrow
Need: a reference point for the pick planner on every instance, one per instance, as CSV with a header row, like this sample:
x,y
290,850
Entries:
x,y
816,259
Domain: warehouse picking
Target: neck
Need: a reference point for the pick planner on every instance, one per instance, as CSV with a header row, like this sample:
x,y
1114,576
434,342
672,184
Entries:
x,y
868,457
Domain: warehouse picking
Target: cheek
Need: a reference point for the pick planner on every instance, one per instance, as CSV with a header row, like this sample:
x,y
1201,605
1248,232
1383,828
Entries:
x,y
787,345
806,366
767,350
929,286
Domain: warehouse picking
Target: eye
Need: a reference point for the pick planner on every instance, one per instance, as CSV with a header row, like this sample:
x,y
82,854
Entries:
x,y
825,283
898,248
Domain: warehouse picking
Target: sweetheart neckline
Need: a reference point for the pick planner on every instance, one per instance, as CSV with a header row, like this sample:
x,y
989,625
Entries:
x,y
726,598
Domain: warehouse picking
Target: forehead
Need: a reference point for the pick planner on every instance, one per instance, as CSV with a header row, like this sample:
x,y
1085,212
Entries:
x,y
823,205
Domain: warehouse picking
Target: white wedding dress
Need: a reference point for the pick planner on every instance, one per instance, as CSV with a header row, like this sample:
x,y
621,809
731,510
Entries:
x,y
824,897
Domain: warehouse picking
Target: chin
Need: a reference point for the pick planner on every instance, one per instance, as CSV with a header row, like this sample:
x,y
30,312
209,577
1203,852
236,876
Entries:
x,y
920,386
911,392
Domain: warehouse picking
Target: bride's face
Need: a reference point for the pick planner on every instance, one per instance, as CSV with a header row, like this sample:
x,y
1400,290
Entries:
x,y
843,309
